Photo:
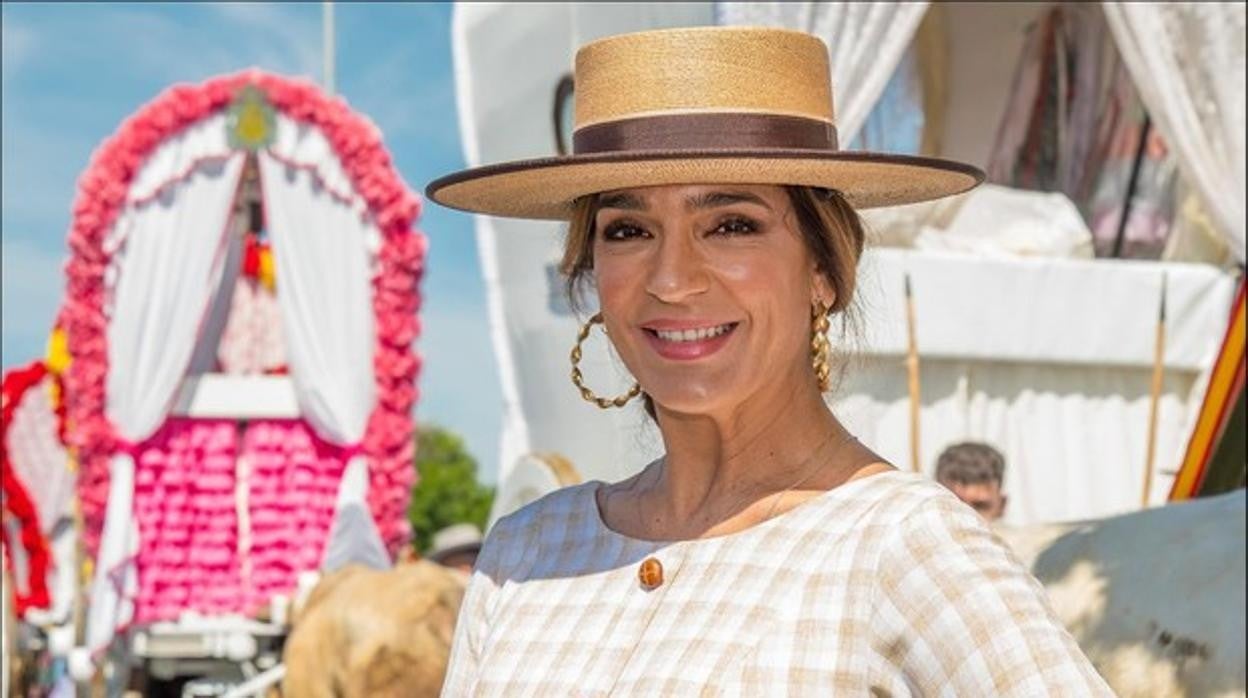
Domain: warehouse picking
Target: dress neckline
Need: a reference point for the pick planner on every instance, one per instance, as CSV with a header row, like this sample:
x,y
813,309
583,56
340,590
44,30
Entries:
x,y
814,503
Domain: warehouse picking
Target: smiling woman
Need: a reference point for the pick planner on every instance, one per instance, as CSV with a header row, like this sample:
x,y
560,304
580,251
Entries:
x,y
767,552
756,220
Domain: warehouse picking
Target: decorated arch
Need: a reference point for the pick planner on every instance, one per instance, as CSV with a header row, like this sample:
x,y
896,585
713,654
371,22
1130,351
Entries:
x,y
154,253
36,482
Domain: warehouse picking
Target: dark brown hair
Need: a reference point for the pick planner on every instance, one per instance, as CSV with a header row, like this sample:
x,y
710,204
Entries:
x,y
970,463
831,229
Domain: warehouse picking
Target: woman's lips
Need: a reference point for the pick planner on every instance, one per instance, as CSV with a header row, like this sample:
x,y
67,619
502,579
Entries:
x,y
688,343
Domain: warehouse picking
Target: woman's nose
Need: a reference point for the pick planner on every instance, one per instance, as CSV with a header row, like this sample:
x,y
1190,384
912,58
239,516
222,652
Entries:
x,y
677,270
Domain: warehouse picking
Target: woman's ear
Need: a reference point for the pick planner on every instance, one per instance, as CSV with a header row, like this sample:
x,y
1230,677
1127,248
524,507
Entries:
x,y
822,291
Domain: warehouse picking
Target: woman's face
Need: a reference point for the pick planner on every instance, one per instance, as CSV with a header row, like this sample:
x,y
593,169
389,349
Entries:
x,y
706,291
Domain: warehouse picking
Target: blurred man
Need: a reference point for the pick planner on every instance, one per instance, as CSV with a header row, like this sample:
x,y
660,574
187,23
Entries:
x,y
974,471
456,547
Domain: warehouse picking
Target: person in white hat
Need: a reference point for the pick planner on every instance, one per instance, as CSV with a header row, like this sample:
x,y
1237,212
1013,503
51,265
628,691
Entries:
x,y
768,552
456,547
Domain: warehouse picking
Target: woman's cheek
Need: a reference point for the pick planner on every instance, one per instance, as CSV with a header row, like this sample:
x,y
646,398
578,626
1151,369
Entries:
x,y
612,283
756,273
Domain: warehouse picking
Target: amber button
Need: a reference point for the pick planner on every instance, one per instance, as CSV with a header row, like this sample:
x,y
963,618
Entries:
x,y
650,573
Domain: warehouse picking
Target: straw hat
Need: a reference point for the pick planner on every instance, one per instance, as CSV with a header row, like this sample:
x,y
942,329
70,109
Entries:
x,y
457,538
702,105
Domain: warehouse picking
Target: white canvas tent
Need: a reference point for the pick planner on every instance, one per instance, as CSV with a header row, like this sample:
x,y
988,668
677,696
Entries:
x,y
1047,358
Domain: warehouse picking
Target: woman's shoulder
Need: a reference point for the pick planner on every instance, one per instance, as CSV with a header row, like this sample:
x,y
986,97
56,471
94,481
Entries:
x,y
914,513
566,507
889,497
553,518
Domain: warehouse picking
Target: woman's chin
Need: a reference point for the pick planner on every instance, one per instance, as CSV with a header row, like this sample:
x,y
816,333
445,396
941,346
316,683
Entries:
x,y
699,399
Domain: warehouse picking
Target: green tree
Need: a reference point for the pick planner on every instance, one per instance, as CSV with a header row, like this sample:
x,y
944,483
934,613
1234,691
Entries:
x,y
447,491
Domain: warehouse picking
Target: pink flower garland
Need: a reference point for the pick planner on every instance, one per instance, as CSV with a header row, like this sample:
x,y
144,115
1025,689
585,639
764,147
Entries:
x,y
102,192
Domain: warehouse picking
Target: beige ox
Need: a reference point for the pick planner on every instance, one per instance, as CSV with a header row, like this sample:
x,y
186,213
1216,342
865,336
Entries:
x,y
370,633
1155,598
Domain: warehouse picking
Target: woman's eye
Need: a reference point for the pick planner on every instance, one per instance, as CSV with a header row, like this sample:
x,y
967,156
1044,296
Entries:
x,y
735,226
623,230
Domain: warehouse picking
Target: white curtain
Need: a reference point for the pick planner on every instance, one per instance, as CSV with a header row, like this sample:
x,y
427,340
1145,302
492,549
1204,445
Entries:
x,y
866,41
169,252
1187,62
172,254
38,458
324,289
116,580
42,464
323,245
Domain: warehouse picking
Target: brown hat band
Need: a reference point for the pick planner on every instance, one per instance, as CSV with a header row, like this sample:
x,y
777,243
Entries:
x,y
705,131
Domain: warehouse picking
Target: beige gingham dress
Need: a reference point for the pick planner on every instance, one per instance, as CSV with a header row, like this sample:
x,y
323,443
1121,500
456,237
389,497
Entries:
x,y
884,586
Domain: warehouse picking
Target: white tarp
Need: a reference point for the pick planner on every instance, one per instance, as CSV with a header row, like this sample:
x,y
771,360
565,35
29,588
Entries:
x,y
1050,360
1047,358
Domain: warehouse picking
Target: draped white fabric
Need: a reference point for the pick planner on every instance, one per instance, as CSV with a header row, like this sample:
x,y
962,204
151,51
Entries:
x,y
325,295
170,251
866,41
354,536
116,580
180,156
170,258
323,242
38,458
41,463
1187,62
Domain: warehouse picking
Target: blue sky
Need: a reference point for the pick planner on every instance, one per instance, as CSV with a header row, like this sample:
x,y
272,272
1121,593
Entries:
x,y
72,73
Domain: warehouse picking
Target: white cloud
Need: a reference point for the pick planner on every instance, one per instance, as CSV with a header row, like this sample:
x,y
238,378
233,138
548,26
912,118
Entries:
x,y
293,39
17,42
198,42
32,288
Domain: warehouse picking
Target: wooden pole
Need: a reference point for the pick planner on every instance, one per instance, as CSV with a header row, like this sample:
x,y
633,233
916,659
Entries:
x,y
912,371
1159,356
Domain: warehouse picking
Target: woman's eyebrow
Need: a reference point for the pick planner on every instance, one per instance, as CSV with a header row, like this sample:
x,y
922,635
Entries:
x,y
723,198
629,202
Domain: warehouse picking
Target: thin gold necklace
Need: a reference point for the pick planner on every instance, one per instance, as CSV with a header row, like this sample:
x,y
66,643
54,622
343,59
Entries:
x,y
845,440
778,496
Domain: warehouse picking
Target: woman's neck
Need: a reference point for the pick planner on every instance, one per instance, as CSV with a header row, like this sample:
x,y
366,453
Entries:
x,y
719,466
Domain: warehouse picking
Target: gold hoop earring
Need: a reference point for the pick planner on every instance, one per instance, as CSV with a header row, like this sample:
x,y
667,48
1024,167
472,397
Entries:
x,y
820,348
579,381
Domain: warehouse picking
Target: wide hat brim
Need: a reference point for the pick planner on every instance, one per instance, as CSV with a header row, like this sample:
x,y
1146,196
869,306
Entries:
x,y
444,553
547,188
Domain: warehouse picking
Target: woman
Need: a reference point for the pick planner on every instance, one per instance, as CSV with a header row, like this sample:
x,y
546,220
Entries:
x,y
768,552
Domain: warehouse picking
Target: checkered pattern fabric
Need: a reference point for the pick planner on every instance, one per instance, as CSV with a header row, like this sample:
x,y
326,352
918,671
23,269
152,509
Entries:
x,y
885,586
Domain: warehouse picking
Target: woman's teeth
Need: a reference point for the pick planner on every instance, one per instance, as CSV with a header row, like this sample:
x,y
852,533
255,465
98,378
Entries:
x,y
692,335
